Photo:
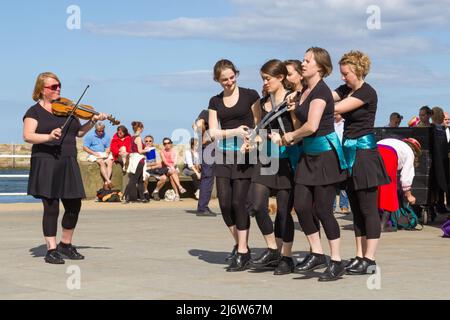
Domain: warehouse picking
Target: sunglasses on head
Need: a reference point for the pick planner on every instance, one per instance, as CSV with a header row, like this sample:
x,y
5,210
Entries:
x,y
54,87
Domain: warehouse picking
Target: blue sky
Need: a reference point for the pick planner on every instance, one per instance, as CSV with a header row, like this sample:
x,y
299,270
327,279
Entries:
x,y
152,60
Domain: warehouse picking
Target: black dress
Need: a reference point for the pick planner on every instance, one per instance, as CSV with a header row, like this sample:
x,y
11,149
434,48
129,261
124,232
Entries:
x,y
368,170
231,118
54,171
323,169
284,177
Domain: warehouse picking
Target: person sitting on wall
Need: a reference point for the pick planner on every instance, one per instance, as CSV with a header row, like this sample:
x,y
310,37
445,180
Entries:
x,y
121,146
97,146
154,169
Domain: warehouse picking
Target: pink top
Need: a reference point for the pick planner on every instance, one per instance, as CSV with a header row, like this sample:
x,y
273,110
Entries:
x,y
170,156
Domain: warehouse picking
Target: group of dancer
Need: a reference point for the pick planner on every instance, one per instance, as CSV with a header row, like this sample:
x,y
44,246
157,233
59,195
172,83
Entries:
x,y
312,162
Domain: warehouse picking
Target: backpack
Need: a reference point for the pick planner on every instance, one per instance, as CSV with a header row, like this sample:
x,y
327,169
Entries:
x,y
109,195
446,229
404,218
169,195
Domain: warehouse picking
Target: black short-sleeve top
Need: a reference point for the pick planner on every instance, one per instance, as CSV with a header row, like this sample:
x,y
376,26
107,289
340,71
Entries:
x,y
320,91
238,115
359,122
47,122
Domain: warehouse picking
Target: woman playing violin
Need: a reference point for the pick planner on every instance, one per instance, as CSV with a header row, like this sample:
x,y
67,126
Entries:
x,y
54,172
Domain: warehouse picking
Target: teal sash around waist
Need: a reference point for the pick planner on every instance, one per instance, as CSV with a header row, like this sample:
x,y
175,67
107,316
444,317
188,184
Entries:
x,y
317,145
274,151
284,152
362,143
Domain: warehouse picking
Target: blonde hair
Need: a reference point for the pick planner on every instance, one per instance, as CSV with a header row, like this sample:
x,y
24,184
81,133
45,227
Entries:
x,y
323,60
358,61
40,83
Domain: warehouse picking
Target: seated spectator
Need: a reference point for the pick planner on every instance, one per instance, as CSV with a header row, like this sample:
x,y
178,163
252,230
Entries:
x,y
394,120
97,146
169,159
121,146
154,168
192,165
424,116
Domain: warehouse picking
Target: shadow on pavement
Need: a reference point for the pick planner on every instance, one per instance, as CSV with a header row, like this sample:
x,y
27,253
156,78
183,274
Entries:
x,y
210,256
41,250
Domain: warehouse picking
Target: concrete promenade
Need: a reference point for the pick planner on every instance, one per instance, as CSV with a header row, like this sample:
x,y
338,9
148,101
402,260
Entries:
x,y
162,250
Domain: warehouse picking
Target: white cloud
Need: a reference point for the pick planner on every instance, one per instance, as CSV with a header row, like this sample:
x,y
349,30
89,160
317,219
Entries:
x,y
339,24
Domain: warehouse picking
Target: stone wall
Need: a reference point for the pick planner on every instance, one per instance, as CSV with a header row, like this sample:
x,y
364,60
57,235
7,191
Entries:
x,y
90,172
25,149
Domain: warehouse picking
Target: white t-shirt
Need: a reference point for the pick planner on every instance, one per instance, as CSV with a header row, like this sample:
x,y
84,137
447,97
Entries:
x,y
191,158
339,128
405,161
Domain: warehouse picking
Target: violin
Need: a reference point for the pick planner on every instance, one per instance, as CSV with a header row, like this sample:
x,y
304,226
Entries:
x,y
64,107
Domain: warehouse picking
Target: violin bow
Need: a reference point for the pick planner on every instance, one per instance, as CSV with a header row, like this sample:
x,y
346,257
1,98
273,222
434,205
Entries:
x,y
74,109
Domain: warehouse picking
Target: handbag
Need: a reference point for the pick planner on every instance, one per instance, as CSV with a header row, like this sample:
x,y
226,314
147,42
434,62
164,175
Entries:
x,y
405,218
446,229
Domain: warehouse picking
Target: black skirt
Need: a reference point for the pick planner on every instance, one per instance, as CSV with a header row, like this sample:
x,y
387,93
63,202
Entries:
x,y
368,171
239,168
55,178
282,179
319,170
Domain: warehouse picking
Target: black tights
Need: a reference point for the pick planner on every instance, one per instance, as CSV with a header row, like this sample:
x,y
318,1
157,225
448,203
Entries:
x,y
366,219
316,201
72,209
135,186
232,196
284,224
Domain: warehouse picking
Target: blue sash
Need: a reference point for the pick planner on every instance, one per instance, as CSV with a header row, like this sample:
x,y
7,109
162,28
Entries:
x,y
350,146
317,145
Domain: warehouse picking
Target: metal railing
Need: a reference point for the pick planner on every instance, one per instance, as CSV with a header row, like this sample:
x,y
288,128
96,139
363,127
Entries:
x,y
18,176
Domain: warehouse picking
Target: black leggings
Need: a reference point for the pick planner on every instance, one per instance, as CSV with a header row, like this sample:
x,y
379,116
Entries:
x,y
366,219
284,224
72,209
232,196
311,201
135,186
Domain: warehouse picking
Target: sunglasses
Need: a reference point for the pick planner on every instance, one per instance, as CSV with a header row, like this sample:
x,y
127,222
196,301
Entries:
x,y
54,87
166,143
149,141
